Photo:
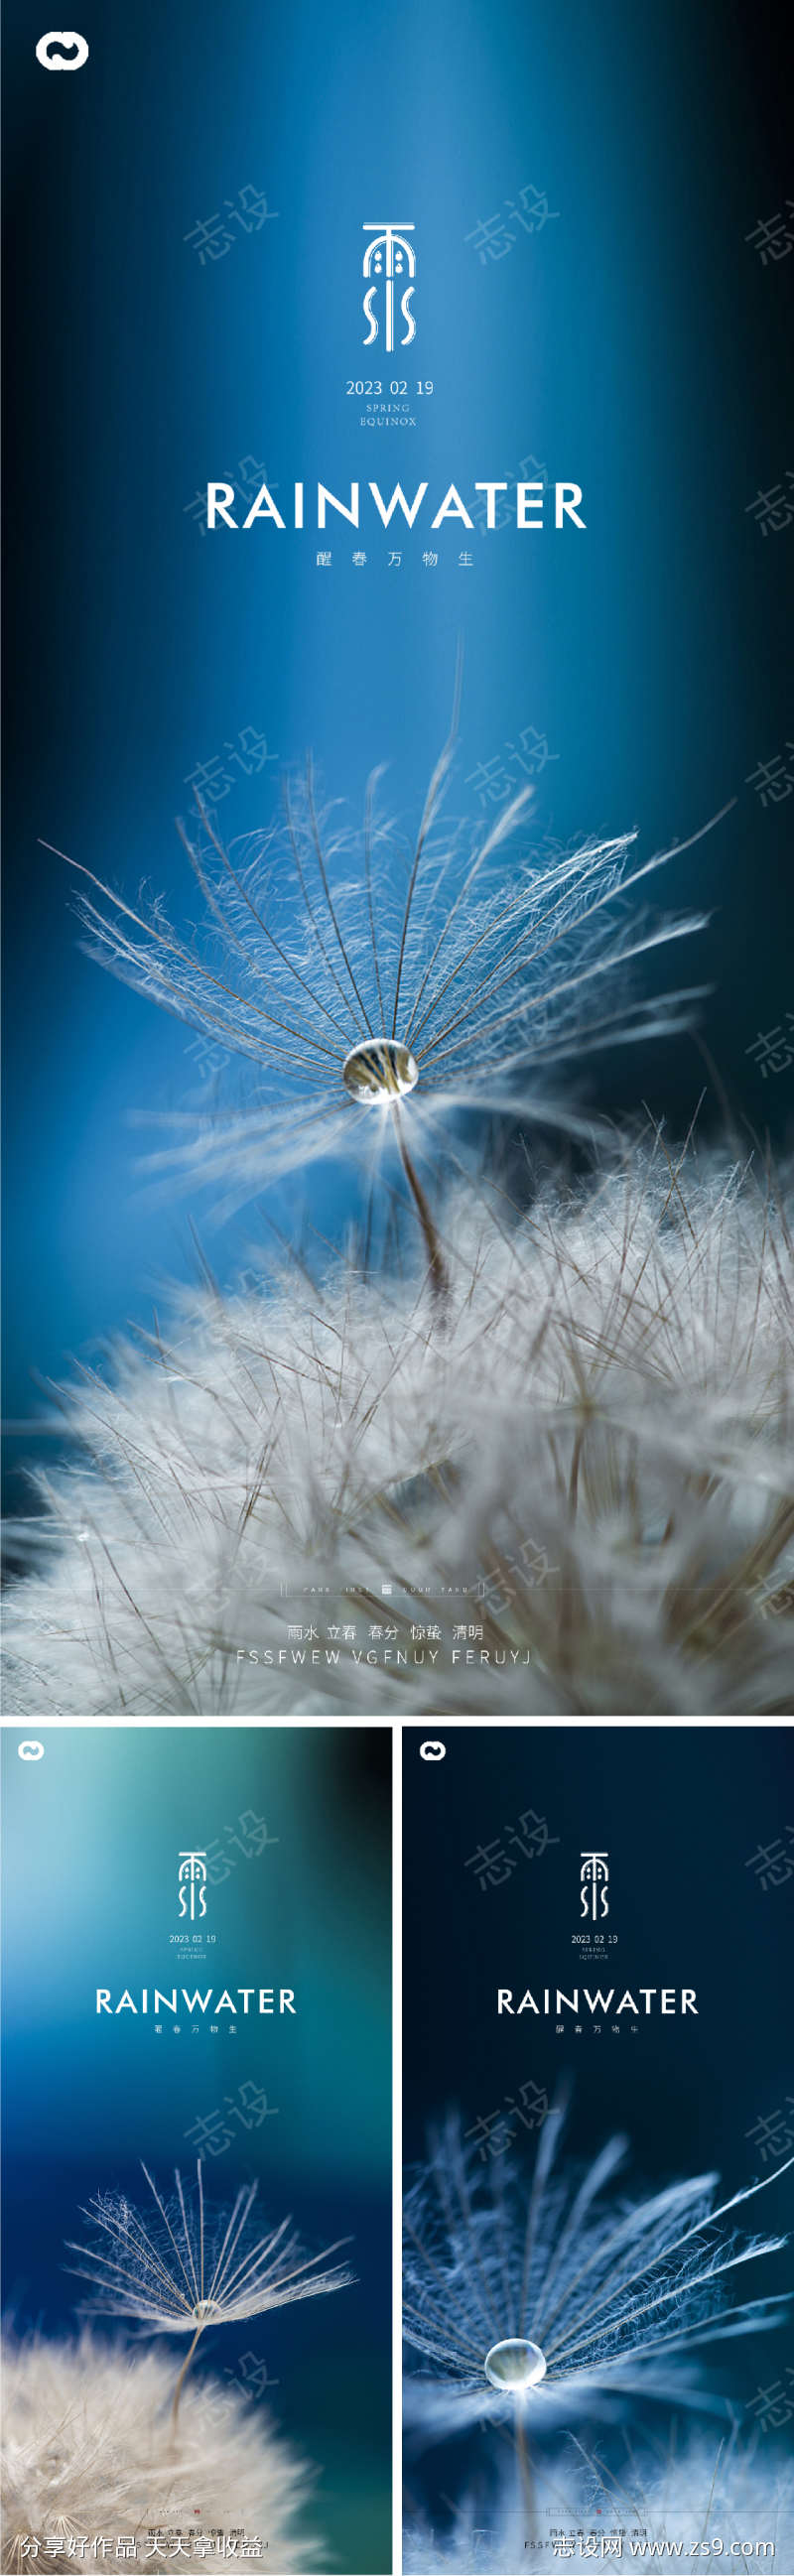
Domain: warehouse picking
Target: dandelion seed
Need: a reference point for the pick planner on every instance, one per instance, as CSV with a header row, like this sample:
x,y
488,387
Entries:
x,y
352,976
537,2302
187,2269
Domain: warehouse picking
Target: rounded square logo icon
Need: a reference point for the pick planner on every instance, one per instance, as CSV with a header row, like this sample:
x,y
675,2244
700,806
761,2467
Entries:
x,y
62,50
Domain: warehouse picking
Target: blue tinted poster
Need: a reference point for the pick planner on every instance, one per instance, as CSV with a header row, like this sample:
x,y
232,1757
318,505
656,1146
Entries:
x,y
400,1008
197,2156
599,2147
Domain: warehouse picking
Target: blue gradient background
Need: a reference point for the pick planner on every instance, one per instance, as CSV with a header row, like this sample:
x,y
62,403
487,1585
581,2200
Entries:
x,y
680,1814
91,1838
635,343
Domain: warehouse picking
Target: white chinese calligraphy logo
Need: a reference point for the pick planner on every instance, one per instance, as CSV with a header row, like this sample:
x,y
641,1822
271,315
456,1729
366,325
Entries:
x,y
389,257
193,1883
593,1876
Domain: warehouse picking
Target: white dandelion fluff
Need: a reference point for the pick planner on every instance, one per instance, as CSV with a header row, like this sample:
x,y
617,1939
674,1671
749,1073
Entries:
x,y
537,2301
689,2495
183,2268
498,2527
593,1448
89,2453
679,2499
476,2537
414,983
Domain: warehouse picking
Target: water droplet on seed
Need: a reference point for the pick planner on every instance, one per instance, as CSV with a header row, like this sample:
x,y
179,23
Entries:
x,y
205,2308
515,2364
380,1070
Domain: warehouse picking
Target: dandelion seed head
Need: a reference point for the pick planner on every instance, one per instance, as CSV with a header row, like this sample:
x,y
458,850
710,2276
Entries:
x,y
182,2265
592,1447
339,967
597,2293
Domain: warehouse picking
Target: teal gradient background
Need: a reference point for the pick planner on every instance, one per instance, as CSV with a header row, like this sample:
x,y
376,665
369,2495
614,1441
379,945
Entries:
x,y
92,1835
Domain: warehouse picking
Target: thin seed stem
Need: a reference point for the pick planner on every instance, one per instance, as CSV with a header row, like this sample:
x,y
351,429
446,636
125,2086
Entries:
x,y
522,2456
439,1275
183,2374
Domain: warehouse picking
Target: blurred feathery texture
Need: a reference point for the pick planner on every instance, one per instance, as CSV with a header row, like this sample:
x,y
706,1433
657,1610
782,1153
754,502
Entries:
x,y
684,2500
543,2297
495,2529
584,1447
692,2490
90,2449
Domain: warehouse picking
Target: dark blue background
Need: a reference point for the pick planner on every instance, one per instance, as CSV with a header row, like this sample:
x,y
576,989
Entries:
x,y
635,343
679,1811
